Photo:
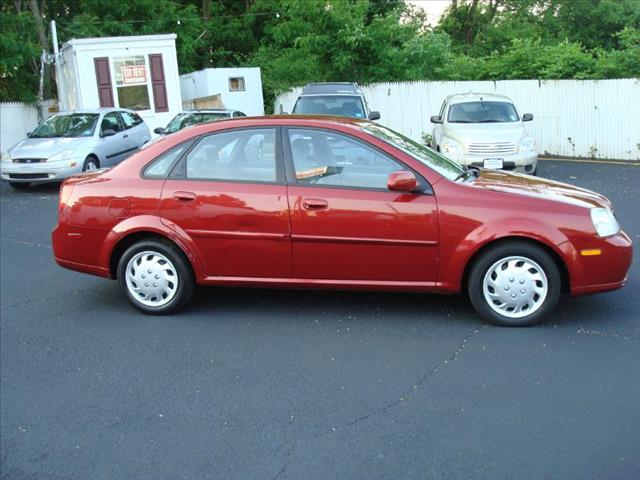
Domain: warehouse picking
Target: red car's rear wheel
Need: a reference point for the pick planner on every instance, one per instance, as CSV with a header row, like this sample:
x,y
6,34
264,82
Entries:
x,y
156,276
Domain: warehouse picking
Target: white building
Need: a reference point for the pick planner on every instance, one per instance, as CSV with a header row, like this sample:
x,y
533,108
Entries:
x,y
230,88
138,72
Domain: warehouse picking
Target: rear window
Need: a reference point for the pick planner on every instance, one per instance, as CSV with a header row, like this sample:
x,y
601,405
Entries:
x,y
341,105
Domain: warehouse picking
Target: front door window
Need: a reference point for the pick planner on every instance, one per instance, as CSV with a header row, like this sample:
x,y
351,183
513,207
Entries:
x,y
328,158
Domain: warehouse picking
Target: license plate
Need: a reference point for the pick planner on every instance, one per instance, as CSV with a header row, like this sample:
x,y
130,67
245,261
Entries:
x,y
493,163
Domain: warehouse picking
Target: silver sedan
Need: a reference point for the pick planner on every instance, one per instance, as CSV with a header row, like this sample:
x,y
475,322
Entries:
x,y
72,142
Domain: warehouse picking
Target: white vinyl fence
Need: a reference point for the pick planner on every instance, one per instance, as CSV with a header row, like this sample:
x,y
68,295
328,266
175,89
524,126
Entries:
x,y
571,118
17,119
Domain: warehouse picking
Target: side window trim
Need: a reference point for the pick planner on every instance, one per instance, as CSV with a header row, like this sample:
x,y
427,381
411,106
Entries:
x,y
179,169
425,186
123,126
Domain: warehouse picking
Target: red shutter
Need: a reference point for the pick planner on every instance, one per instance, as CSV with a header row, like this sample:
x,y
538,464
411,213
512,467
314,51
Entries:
x,y
157,83
103,78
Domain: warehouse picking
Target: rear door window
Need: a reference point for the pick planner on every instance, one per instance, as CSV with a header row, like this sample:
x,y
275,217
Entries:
x,y
241,155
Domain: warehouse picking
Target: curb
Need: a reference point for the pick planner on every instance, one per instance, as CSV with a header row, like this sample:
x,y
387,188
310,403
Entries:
x,y
604,161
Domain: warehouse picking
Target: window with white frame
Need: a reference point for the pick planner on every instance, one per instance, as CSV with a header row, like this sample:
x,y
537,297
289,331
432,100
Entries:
x,y
236,84
132,80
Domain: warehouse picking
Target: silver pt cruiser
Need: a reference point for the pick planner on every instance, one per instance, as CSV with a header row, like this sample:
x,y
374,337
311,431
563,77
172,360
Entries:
x,y
71,142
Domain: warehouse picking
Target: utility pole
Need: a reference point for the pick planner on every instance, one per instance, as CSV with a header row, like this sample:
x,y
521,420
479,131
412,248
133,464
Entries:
x,y
54,38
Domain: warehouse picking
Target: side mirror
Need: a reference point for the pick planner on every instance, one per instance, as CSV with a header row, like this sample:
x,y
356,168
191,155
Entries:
x,y
527,117
107,133
436,119
158,130
402,181
374,115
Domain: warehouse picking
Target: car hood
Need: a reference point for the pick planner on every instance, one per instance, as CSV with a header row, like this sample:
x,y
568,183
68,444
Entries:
x,y
485,132
540,188
46,147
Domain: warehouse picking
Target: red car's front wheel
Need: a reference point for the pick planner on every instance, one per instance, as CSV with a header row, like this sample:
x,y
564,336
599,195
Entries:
x,y
515,284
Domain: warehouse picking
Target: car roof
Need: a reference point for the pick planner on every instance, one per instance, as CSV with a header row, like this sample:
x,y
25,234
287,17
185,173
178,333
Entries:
x,y
310,121
291,118
209,110
335,88
477,97
95,110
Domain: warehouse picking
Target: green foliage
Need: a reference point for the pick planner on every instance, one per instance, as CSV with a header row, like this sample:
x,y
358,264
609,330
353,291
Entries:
x,y
298,41
19,57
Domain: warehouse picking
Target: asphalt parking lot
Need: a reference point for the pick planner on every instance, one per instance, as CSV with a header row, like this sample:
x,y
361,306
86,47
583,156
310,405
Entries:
x,y
267,384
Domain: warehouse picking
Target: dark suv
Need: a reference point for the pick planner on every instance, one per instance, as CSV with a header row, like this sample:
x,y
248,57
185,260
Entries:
x,y
342,99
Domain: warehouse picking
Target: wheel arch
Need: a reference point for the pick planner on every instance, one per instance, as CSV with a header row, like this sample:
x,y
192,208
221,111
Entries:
x,y
553,253
97,155
126,234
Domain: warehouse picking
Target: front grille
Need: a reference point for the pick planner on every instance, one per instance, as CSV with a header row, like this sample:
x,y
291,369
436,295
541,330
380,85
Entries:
x,y
28,176
505,165
29,160
503,148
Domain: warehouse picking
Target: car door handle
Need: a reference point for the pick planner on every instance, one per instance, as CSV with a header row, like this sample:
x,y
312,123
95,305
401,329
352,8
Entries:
x,y
125,136
314,204
184,196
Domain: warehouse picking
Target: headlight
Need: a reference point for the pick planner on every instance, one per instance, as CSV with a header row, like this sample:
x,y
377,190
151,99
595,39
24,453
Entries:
x,y
5,157
528,144
604,221
61,156
451,147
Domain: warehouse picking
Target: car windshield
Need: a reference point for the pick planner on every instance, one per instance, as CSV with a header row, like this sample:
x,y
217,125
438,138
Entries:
x,y
482,112
441,164
183,120
71,125
341,105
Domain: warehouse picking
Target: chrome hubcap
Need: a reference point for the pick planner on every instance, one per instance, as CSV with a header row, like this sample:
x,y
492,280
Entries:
x,y
91,167
515,287
151,279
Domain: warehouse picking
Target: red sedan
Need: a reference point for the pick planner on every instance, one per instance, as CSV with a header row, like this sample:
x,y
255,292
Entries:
x,y
334,203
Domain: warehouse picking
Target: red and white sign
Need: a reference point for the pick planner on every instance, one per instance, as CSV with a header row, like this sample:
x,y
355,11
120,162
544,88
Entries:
x,y
134,74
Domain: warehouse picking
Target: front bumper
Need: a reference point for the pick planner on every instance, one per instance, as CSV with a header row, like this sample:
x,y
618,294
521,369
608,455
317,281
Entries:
x,y
39,172
517,162
599,273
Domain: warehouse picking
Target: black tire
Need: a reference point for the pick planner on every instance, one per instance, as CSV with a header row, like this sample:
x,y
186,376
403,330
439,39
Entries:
x,y
503,250
88,161
19,185
186,281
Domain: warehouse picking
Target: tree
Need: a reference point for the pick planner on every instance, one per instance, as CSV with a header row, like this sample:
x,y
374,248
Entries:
x,y
299,41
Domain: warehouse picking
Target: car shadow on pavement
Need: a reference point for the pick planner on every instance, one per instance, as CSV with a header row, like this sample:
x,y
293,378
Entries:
x,y
299,303
37,188
212,304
